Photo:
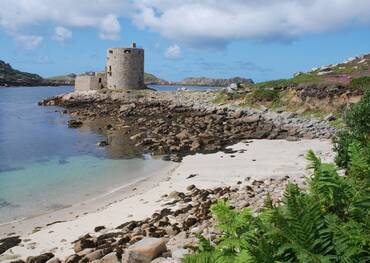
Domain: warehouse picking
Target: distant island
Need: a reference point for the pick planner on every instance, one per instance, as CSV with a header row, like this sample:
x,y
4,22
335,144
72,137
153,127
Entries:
x,y
13,77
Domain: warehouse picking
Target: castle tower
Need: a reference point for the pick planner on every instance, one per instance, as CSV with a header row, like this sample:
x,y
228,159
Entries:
x,y
125,68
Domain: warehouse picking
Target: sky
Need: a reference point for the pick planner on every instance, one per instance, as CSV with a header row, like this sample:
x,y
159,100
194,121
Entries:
x,y
258,39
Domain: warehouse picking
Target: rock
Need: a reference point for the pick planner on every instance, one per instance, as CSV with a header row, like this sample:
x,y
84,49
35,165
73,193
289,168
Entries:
x,y
54,260
292,139
137,136
102,143
145,250
190,187
97,254
190,221
74,124
43,258
179,253
191,176
83,243
73,259
330,117
174,195
182,135
110,258
8,242
164,260
99,228
252,119
85,252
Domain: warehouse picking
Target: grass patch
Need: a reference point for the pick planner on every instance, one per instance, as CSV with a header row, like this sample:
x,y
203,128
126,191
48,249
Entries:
x,y
220,98
284,83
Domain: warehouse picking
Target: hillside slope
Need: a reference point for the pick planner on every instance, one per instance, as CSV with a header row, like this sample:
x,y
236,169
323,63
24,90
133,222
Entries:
x,y
322,90
10,77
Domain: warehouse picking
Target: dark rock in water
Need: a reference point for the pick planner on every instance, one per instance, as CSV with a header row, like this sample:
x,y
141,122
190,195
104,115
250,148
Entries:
x,y
40,258
18,261
62,161
102,143
74,124
10,169
8,242
4,203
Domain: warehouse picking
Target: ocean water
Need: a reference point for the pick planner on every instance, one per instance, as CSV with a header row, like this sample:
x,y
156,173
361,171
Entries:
x,y
45,166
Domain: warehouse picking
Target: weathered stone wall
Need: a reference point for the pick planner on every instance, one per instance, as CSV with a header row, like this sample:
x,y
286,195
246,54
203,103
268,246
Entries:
x,y
86,82
125,68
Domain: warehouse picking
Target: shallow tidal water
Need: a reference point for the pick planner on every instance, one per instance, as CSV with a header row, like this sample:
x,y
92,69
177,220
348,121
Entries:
x,y
45,166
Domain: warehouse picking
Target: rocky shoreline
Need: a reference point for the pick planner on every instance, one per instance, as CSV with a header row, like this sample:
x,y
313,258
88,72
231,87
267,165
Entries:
x,y
173,125
176,124
172,232
160,221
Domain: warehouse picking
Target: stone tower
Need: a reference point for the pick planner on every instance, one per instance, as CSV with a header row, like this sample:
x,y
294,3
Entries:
x,y
125,68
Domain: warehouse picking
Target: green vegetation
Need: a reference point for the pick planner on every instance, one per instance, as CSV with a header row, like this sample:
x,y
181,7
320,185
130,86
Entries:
x,y
361,83
330,222
152,79
8,71
284,83
69,77
357,130
265,95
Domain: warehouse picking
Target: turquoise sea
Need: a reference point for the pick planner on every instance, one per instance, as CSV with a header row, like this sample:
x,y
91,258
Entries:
x,y
44,165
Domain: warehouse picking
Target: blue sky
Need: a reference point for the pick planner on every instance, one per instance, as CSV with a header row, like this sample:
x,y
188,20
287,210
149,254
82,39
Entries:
x,y
253,39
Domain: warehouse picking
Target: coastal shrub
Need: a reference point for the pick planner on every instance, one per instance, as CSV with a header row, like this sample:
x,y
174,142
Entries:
x,y
361,83
357,121
265,95
329,222
280,83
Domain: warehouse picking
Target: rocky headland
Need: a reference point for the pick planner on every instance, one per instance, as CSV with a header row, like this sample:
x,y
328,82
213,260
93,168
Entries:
x,y
10,77
176,124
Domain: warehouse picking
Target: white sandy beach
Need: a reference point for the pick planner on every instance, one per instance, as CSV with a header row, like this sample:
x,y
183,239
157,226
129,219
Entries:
x,y
261,159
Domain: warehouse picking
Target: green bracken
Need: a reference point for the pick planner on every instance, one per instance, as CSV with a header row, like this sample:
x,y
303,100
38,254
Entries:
x,y
329,222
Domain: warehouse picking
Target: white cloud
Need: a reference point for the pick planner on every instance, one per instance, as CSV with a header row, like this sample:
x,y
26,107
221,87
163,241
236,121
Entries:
x,y
110,28
192,22
173,52
28,41
24,16
61,33
218,22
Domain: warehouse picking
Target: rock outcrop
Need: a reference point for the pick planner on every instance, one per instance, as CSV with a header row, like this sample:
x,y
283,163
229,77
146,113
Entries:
x,y
174,128
204,81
